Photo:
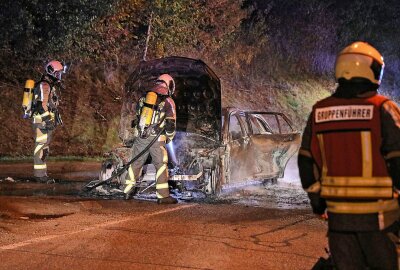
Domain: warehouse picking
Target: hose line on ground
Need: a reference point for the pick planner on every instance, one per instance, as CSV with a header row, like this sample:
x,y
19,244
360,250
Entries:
x,y
89,187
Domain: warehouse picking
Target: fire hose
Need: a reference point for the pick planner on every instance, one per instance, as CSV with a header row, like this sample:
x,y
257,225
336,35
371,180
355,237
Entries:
x,y
93,184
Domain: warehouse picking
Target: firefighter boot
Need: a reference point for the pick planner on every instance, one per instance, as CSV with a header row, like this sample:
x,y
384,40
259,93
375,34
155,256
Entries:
x,y
167,200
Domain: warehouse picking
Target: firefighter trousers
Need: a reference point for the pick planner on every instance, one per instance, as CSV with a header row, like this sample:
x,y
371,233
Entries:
x,y
41,151
159,156
363,250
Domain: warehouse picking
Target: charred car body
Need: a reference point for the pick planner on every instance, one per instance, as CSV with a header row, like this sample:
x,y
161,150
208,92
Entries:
x,y
214,148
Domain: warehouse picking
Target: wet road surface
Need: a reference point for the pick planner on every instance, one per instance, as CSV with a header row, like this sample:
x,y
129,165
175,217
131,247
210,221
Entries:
x,y
49,226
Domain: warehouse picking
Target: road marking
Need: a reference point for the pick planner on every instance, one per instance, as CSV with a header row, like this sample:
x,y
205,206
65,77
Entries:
x,y
94,227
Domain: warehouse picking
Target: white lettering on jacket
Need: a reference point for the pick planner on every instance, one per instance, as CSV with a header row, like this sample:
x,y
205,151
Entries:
x,y
344,113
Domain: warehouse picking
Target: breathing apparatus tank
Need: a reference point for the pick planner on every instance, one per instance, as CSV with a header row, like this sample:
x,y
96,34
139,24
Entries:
x,y
27,98
146,115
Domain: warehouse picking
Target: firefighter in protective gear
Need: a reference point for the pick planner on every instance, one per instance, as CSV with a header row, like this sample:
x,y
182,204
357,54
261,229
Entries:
x,y
349,163
45,116
159,101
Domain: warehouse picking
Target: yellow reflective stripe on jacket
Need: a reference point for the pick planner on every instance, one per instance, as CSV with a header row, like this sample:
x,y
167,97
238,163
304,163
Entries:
x,y
323,155
366,147
39,166
362,207
357,181
162,186
357,192
162,124
365,186
41,139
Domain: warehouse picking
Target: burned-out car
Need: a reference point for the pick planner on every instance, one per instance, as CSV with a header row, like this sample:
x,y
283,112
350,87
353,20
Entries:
x,y
214,148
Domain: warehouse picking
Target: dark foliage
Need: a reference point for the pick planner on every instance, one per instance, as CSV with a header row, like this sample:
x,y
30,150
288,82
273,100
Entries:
x,y
256,46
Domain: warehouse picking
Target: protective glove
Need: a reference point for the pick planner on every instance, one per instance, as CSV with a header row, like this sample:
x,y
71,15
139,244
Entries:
x,y
318,204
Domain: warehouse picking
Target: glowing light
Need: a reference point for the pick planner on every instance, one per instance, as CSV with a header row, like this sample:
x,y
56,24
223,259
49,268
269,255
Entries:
x,y
171,151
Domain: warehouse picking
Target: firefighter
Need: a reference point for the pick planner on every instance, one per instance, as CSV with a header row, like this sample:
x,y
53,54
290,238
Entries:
x,y
45,116
349,163
159,109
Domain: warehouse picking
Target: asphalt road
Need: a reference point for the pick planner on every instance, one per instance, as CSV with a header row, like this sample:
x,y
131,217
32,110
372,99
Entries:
x,y
70,233
269,227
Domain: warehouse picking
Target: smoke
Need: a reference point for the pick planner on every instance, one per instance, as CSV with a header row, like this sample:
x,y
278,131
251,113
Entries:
x,y
292,176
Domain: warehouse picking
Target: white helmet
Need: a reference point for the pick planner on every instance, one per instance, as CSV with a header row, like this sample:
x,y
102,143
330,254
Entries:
x,y
55,69
359,60
169,82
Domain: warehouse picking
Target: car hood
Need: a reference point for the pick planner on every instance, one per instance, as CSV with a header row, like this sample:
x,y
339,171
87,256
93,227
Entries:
x,y
197,95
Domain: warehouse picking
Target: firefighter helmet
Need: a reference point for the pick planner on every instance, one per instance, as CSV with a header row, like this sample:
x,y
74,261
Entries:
x,y
168,81
55,69
358,61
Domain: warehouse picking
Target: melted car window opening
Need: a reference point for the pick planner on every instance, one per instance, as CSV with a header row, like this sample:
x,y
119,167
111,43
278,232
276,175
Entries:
x,y
235,129
259,124
284,125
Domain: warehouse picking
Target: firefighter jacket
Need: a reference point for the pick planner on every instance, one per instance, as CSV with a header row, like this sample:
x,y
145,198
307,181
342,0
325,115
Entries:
x,y
45,102
164,116
347,144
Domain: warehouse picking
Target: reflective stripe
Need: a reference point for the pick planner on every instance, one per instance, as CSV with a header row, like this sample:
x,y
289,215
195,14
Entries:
x,y
161,170
162,186
392,154
366,153
362,207
357,181
131,174
172,134
357,192
39,166
41,91
314,188
37,119
133,182
305,153
163,122
128,188
165,154
38,148
322,148
159,196
41,139
45,114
